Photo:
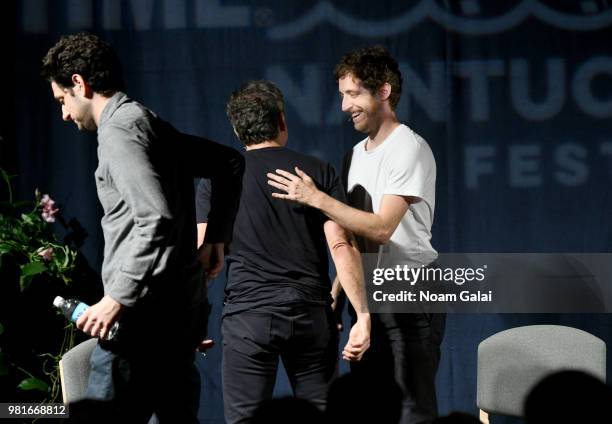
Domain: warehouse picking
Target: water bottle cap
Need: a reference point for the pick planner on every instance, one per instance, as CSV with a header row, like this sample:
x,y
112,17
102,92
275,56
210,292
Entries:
x,y
57,302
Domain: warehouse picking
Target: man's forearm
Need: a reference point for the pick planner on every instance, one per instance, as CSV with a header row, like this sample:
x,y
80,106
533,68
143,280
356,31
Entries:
x,y
224,167
365,224
350,276
336,289
344,251
377,227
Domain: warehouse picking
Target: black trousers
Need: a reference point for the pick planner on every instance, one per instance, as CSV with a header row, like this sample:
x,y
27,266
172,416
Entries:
x,y
148,368
304,337
406,348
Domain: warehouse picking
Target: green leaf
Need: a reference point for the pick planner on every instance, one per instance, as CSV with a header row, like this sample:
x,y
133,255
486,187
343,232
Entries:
x,y
33,383
3,365
27,219
5,248
6,177
28,271
32,268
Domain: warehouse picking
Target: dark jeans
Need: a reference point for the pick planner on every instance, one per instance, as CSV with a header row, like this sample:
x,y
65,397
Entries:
x,y
149,367
406,348
304,337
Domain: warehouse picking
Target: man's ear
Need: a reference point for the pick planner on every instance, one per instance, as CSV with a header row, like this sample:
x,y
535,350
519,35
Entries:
x,y
282,123
384,92
81,87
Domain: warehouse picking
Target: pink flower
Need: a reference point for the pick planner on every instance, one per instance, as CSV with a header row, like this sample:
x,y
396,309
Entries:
x,y
49,210
46,254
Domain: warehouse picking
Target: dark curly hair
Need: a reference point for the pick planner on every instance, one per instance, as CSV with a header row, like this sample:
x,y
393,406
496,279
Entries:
x,y
87,55
254,111
374,66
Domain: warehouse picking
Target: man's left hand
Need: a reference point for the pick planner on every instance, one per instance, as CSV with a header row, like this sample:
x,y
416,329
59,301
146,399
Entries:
x,y
359,340
299,188
98,319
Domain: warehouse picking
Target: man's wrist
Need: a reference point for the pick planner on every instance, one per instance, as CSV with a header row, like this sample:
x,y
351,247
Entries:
x,y
118,306
318,200
364,317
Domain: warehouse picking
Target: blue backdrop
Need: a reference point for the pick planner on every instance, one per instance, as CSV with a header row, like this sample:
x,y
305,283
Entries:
x,y
514,97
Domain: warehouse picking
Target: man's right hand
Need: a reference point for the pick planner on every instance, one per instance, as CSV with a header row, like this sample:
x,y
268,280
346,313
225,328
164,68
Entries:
x,y
299,188
337,311
211,257
359,339
338,301
98,319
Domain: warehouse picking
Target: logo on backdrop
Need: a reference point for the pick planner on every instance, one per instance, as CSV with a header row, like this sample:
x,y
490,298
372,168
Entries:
x,y
519,88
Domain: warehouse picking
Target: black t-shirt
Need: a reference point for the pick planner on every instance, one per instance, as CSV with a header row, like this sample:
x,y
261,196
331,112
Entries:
x,y
278,254
202,201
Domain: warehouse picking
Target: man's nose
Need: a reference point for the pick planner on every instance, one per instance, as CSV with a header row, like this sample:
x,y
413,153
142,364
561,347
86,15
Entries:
x,y
65,115
346,104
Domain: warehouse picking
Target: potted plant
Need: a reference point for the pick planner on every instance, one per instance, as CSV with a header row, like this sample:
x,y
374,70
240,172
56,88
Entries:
x,y
35,267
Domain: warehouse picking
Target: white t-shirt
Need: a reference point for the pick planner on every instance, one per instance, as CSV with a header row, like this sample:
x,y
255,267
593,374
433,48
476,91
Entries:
x,y
402,165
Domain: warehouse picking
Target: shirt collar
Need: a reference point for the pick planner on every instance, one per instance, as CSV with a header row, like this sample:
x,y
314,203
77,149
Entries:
x,y
113,104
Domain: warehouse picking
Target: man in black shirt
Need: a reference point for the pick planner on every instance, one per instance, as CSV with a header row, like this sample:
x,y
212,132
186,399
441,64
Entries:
x,y
278,300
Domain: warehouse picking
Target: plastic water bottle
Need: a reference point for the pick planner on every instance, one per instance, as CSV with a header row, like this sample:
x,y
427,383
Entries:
x,y
73,309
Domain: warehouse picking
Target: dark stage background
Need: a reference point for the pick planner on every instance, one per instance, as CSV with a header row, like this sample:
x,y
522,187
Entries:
x,y
514,97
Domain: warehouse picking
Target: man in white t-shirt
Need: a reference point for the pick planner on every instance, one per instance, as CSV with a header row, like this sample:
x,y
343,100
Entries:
x,y
390,178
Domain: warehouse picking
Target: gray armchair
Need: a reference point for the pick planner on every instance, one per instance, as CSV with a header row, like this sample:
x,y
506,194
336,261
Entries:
x,y
74,370
512,362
